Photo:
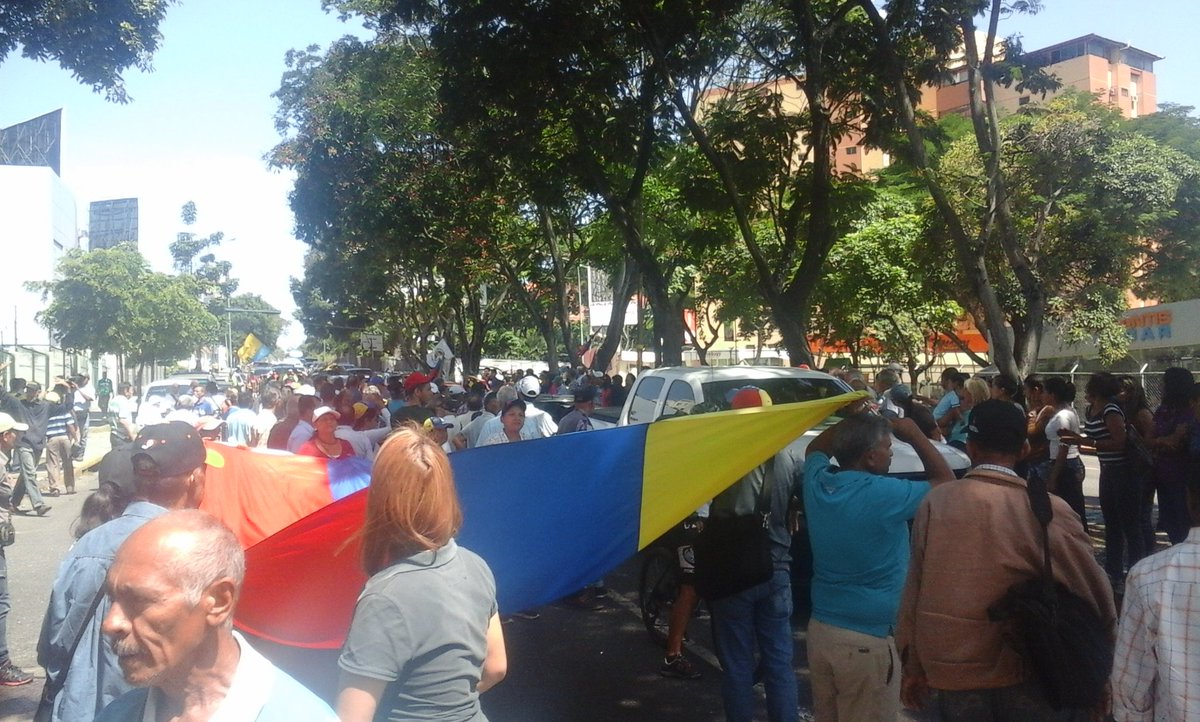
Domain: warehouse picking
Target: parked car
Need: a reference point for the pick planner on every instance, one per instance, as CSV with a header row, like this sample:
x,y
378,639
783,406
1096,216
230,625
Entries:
x,y
157,395
665,392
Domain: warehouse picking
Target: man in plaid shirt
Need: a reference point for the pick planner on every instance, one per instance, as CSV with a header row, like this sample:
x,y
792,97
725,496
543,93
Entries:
x,y
1156,670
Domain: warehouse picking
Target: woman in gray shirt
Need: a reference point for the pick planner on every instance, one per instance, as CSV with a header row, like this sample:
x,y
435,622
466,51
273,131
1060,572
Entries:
x,y
426,638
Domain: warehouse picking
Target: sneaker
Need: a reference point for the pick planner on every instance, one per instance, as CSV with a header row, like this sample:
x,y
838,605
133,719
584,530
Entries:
x,y
42,510
13,676
678,667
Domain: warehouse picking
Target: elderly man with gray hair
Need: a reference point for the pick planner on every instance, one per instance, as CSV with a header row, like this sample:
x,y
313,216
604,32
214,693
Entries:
x,y
858,524
174,587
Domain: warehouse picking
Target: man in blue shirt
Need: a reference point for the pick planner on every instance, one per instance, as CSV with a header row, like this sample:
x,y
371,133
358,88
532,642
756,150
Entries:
x,y
165,465
858,525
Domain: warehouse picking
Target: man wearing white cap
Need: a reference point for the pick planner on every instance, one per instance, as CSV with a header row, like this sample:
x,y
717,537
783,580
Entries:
x,y
538,423
10,674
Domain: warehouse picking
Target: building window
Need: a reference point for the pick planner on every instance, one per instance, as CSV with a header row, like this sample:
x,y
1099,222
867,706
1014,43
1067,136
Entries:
x,y
727,331
852,150
1023,100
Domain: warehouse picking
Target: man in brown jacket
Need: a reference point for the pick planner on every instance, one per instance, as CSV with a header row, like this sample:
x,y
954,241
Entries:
x,y
972,539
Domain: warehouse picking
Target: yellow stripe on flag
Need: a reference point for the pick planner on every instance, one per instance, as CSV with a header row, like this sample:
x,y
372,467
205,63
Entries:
x,y
690,459
249,348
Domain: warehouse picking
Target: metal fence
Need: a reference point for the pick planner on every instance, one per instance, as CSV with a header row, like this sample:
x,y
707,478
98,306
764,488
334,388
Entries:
x,y
42,363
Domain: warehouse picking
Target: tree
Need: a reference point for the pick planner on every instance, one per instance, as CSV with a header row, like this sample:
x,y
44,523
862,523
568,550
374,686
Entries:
x,y
879,298
209,277
266,326
400,232
95,41
912,47
109,301
1086,198
1171,265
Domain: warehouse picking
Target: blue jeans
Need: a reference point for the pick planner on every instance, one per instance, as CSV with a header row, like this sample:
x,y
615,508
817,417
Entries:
x,y
27,463
758,617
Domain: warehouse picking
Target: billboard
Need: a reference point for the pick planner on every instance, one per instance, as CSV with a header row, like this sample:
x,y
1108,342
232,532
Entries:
x,y
600,300
36,142
112,222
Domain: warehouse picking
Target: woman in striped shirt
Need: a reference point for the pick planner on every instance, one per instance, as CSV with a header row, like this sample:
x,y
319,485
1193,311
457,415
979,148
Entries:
x,y
1120,493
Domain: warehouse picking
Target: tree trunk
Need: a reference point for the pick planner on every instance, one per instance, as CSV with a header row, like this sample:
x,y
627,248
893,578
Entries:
x,y
624,282
562,311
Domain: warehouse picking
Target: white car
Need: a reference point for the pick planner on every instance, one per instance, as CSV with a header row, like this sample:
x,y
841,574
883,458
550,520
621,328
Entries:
x,y
665,392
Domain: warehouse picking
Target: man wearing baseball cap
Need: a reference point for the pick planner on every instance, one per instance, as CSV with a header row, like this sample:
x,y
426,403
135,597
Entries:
x,y
538,423
10,674
972,540
169,462
418,395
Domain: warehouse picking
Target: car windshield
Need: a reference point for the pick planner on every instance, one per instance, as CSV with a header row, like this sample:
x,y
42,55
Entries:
x,y
781,390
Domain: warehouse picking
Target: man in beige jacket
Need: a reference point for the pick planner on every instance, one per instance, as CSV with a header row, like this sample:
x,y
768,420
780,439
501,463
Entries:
x,y
972,539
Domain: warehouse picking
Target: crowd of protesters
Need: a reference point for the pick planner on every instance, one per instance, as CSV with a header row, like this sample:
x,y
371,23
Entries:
x,y
907,573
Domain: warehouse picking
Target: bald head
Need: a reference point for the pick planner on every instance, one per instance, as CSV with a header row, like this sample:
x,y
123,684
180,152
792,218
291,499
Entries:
x,y
173,587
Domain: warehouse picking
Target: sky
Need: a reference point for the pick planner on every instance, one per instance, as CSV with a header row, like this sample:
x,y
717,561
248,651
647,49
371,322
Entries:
x,y
197,129
199,124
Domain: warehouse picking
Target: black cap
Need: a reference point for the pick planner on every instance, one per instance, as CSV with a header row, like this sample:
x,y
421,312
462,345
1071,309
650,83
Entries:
x,y
117,468
997,425
164,450
585,394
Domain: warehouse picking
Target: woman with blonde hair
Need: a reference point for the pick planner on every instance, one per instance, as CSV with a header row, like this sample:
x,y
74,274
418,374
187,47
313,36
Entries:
x,y
954,424
426,638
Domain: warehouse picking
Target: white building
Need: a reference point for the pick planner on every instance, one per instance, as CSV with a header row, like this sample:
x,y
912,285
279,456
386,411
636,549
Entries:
x,y
37,226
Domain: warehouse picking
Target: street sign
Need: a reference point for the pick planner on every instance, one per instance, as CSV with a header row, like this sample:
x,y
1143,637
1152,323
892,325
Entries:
x,y
371,341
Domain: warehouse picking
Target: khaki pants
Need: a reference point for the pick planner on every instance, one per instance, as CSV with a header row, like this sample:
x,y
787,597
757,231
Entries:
x,y
59,466
854,676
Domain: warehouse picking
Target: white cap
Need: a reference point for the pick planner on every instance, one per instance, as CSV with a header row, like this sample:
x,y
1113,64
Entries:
x,y
8,423
323,410
529,387
304,390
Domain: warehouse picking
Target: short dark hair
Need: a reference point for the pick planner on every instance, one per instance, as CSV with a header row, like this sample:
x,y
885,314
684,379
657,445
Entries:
x,y
998,426
1102,384
1060,389
856,436
1005,383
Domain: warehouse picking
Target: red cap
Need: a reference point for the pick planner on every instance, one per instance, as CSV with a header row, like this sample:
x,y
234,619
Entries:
x,y
417,378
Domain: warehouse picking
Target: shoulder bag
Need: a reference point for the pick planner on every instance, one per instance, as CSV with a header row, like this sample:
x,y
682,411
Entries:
x,y
733,553
45,710
1136,451
1060,634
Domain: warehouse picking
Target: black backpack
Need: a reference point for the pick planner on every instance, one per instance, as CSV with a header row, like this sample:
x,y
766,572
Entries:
x,y
1061,634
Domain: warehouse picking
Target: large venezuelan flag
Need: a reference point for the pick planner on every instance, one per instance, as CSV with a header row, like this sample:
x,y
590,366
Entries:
x,y
549,516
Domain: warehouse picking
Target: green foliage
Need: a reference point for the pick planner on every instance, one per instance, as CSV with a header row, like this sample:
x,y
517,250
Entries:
x,y
95,41
878,299
266,326
1088,198
109,301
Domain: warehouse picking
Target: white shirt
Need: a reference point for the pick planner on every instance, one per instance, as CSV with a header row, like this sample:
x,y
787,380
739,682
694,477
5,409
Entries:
x,y
302,433
365,442
263,423
538,425
1064,419
83,397
1156,667
253,682
500,438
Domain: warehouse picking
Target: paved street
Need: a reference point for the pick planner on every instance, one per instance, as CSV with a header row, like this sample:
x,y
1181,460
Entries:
x,y
32,563
569,665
